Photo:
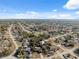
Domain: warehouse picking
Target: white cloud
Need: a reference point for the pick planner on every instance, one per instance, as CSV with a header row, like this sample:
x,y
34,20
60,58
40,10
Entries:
x,y
72,4
66,16
54,10
52,16
45,16
77,12
37,15
28,14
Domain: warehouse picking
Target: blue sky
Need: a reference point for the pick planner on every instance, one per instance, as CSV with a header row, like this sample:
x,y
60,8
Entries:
x,y
44,9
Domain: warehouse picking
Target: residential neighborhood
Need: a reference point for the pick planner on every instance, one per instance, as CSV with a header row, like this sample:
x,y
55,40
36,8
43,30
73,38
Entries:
x,y
44,40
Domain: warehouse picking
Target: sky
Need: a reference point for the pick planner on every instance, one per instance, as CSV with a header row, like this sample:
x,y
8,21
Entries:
x,y
39,9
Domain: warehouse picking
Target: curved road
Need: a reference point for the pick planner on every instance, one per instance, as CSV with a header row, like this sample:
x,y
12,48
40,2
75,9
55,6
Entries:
x,y
10,35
